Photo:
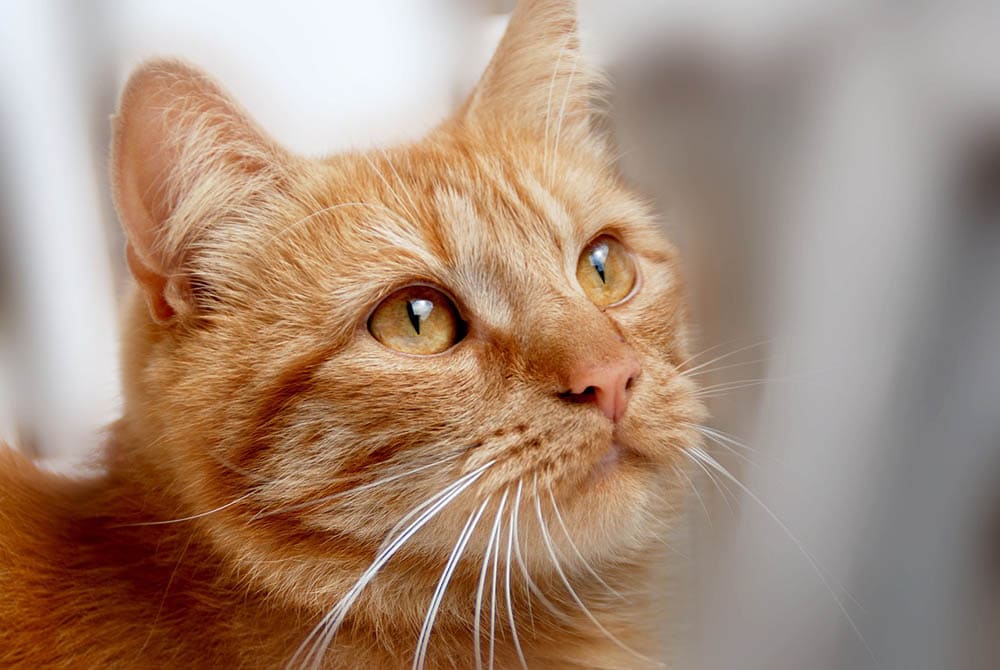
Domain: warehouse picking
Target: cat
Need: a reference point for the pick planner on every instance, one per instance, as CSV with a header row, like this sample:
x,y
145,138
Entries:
x,y
417,407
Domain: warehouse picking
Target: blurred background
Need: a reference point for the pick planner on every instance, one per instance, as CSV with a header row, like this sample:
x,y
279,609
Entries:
x,y
831,173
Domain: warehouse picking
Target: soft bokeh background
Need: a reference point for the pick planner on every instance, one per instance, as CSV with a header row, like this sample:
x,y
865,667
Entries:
x,y
831,171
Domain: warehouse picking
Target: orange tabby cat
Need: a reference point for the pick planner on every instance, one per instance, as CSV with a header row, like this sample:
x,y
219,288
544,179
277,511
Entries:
x,y
416,407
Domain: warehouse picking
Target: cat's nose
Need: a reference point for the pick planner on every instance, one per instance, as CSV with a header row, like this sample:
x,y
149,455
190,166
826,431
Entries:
x,y
605,384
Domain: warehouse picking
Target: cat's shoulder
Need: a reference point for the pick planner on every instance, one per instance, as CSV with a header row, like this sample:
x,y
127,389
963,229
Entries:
x,y
33,501
22,494
20,479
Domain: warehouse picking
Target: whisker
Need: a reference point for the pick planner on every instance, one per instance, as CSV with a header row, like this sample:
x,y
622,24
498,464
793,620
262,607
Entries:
x,y
442,586
699,454
576,550
356,489
166,590
726,387
726,437
707,350
193,517
326,629
697,493
510,603
517,549
708,371
724,492
490,546
547,539
398,527
721,443
493,588
532,586
717,358
738,384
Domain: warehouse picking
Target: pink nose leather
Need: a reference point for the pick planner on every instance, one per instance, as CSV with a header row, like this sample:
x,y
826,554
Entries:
x,y
604,384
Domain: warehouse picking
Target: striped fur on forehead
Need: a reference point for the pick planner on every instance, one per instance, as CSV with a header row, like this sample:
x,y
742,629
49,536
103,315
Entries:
x,y
469,221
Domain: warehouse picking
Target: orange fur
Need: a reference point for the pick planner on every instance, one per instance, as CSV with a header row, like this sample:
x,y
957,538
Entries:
x,y
230,520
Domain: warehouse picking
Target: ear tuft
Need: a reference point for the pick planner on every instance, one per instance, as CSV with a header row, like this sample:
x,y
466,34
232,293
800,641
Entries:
x,y
537,78
183,156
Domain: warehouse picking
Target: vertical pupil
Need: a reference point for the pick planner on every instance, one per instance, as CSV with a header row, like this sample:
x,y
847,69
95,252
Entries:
x,y
598,259
418,310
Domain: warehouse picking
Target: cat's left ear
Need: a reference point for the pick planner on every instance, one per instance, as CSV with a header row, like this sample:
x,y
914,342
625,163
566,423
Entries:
x,y
187,165
537,78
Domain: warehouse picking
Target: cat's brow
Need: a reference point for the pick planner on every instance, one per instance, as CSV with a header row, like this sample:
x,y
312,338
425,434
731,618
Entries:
x,y
472,244
551,209
404,237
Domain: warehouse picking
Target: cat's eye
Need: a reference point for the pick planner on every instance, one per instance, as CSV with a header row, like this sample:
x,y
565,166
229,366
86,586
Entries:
x,y
417,320
606,271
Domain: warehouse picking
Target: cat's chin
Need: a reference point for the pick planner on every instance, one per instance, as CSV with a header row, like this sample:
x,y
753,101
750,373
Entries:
x,y
609,463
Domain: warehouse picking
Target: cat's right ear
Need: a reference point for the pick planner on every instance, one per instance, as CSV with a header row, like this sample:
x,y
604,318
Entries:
x,y
184,156
537,78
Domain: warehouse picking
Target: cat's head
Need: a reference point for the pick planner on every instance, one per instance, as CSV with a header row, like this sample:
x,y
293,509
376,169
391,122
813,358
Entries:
x,y
326,344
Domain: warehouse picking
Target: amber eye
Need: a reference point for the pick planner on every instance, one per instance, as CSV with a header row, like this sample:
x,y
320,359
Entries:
x,y
416,320
606,271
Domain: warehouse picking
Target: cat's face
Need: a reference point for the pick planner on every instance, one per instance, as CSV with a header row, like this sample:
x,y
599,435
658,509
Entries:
x,y
333,343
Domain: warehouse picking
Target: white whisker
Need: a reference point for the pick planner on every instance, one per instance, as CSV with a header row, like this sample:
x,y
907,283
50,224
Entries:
x,y
547,539
576,550
517,550
532,586
717,358
726,437
699,454
724,491
730,366
192,517
736,385
356,489
493,589
392,534
490,547
697,493
721,443
442,586
707,350
332,621
510,603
